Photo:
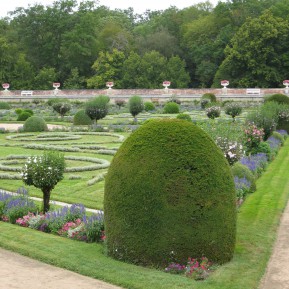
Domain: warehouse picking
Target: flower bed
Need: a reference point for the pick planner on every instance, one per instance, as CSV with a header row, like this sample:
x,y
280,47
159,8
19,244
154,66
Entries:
x,y
71,222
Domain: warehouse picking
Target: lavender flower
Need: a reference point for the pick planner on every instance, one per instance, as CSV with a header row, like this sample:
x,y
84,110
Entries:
x,y
242,183
274,143
255,162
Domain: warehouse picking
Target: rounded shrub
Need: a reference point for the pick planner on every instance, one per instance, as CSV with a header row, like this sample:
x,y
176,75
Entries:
x,y
184,116
29,110
23,116
4,105
148,106
210,96
241,171
278,97
171,107
186,207
35,124
81,118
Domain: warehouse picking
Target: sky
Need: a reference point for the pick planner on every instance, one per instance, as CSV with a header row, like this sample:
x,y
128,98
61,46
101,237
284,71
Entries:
x,y
139,6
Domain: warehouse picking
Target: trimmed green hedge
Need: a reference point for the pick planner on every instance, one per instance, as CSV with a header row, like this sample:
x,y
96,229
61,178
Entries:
x,y
169,195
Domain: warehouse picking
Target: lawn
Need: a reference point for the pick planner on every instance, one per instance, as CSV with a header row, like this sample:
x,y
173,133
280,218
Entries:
x,y
257,224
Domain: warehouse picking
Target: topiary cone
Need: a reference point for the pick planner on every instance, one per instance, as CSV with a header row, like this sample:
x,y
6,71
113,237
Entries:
x,y
169,195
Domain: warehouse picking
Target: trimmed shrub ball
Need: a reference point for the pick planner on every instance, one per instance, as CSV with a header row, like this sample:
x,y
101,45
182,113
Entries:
x,y
171,107
34,124
210,96
169,195
81,118
278,97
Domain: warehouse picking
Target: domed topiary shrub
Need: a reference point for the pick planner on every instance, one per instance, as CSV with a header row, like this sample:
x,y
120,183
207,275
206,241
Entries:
x,y
34,124
278,97
210,96
169,193
81,118
148,106
171,107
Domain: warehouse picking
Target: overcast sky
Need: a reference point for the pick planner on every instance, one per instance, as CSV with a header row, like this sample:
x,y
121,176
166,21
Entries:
x,y
139,6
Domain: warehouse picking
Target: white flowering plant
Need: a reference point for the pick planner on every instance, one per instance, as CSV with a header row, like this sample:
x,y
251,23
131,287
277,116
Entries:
x,y
44,172
232,150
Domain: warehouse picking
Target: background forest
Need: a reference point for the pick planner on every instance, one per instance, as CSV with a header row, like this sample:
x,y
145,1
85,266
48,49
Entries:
x,y
85,45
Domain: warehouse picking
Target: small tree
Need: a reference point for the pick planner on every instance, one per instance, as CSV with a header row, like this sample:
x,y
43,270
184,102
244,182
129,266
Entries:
x,y
120,103
213,112
62,108
97,108
135,106
44,172
233,109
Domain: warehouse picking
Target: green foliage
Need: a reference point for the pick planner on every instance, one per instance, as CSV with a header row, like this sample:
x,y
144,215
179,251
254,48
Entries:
x,y
184,116
249,61
279,98
171,107
263,147
107,67
233,109
35,124
97,108
52,101
266,117
29,111
120,102
278,136
45,77
18,111
4,105
213,112
135,105
44,172
23,116
148,106
210,96
81,118
241,171
185,208
62,107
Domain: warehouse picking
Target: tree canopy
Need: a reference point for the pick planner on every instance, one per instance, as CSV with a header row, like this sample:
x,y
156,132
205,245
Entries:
x,y
84,45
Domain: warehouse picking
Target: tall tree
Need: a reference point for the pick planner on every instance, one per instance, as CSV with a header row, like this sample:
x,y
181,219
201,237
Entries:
x,y
258,54
107,67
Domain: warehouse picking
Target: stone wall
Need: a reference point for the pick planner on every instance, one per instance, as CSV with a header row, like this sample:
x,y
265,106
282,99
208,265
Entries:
x,y
149,94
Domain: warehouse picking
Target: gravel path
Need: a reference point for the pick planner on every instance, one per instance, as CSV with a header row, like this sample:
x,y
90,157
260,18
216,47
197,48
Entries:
x,y
276,276
15,126
19,272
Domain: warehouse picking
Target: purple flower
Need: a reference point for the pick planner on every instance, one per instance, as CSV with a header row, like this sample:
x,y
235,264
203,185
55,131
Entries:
x,y
274,143
255,162
242,183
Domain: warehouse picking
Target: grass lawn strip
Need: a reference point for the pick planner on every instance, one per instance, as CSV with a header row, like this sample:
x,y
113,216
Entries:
x,y
258,221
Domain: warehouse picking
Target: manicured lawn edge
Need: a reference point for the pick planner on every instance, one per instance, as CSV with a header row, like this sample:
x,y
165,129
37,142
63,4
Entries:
x,y
258,221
